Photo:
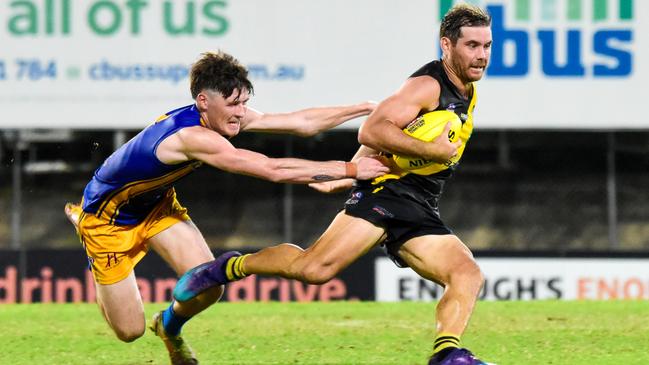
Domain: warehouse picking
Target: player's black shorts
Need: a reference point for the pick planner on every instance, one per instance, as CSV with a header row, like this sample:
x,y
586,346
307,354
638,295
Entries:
x,y
403,212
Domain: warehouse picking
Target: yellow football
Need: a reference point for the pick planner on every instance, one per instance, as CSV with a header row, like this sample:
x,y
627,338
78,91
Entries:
x,y
427,127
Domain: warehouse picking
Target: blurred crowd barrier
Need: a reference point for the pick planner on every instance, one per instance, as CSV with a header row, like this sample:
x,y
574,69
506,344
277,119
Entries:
x,y
514,190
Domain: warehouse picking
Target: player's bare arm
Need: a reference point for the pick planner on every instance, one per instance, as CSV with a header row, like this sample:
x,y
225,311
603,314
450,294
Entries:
x,y
202,144
306,122
336,186
382,130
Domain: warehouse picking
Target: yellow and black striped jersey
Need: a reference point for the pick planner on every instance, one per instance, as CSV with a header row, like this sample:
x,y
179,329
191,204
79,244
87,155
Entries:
x,y
427,186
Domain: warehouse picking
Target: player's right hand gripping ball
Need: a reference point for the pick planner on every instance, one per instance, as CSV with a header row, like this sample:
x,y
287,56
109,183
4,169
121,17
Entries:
x,y
427,127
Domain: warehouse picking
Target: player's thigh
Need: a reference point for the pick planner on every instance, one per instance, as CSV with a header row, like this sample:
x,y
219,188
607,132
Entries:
x,y
122,306
182,246
346,239
438,257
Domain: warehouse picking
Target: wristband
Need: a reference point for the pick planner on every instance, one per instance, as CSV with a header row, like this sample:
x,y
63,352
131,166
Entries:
x,y
350,170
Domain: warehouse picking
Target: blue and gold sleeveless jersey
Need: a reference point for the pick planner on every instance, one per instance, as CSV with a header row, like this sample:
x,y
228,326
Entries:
x,y
129,184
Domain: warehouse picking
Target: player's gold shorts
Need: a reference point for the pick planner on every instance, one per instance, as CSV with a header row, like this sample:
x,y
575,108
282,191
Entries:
x,y
113,251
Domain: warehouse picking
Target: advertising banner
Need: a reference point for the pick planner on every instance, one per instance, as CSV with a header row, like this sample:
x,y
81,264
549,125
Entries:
x,y
61,276
105,64
529,279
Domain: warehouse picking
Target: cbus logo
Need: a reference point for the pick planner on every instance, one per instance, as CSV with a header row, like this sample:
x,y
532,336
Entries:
x,y
560,38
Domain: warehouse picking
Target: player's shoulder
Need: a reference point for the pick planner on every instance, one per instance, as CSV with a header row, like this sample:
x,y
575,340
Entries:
x,y
195,140
422,81
183,111
194,132
180,117
422,88
431,69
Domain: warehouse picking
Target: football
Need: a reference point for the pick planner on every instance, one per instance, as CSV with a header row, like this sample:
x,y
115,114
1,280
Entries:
x,y
427,127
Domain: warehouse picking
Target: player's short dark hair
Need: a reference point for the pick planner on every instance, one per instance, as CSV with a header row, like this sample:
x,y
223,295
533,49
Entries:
x,y
462,15
218,71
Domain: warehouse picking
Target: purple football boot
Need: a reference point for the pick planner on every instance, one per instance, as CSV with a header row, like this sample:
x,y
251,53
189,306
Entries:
x,y
458,357
203,277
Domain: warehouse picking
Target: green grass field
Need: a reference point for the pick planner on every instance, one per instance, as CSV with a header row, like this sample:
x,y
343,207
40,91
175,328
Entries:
x,y
570,333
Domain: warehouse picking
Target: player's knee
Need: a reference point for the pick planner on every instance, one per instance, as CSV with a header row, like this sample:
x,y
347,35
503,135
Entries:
x,y
318,273
129,334
469,275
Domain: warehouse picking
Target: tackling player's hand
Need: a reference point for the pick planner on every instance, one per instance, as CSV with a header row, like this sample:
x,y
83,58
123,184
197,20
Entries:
x,y
370,105
370,167
334,186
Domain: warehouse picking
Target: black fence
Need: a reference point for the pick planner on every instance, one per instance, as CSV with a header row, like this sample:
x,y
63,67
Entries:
x,y
514,190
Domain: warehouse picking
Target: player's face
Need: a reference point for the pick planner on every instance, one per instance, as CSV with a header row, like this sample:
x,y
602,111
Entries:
x,y
225,114
470,55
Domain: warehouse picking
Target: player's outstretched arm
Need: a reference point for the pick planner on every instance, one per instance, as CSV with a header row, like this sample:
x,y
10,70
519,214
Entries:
x,y
336,186
198,143
306,122
382,130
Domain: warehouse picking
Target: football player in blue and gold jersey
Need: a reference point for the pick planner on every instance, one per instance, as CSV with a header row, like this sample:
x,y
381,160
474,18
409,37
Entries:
x,y
130,204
